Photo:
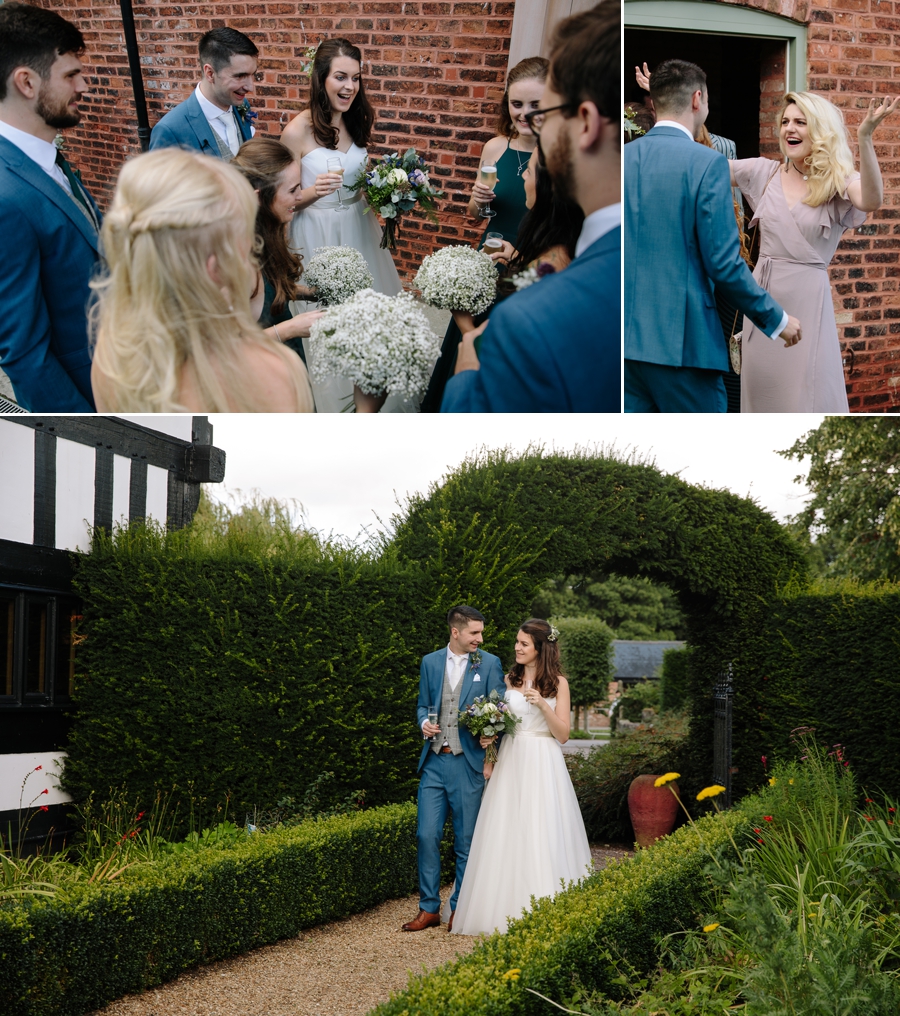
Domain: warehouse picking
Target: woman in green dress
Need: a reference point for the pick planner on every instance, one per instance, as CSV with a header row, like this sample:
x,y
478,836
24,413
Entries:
x,y
509,151
275,176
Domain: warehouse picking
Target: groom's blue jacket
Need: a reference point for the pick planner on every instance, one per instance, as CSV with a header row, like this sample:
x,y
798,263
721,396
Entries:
x,y
682,244
480,680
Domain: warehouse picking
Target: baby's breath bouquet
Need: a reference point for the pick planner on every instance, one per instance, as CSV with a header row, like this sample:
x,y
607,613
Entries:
x,y
486,716
383,344
396,184
337,273
458,278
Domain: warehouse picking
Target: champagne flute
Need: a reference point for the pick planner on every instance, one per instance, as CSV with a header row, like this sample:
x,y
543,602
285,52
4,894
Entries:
x,y
433,718
334,165
489,179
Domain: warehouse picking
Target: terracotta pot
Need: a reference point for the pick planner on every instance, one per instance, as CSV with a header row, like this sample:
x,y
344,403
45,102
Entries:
x,y
653,810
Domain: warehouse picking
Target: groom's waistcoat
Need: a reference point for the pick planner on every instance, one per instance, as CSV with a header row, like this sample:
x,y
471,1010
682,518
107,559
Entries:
x,y
449,717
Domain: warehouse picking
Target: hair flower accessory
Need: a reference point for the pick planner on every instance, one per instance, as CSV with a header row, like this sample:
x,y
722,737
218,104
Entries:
x,y
554,634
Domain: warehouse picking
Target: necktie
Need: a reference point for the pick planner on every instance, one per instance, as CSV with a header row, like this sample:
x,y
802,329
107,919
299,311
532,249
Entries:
x,y
77,190
231,134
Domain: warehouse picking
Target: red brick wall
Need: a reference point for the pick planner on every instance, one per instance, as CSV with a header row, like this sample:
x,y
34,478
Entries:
x,y
854,53
434,73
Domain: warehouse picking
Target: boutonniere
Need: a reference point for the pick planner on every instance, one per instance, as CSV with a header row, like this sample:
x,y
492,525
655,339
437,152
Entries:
x,y
244,111
475,659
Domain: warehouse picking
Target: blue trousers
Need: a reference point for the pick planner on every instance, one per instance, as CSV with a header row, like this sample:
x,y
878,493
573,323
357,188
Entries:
x,y
448,783
656,388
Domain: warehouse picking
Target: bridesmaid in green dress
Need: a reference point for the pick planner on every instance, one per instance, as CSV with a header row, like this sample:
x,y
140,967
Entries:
x,y
275,176
509,151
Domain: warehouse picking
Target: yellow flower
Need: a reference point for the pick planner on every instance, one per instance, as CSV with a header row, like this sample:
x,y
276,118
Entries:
x,y
712,791
512,975
710,927
791,782
666,779
773,781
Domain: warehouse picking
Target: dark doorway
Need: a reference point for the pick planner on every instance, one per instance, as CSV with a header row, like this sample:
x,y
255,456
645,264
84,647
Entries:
x,y
733,66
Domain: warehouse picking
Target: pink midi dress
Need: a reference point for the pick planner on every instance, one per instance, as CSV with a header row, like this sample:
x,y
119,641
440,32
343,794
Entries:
x,y
796,247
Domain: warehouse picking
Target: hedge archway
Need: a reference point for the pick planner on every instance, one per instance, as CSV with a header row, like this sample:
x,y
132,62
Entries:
x,y
251,672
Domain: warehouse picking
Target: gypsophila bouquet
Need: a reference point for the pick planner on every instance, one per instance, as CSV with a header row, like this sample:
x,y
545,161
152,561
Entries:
x,y
487,716
337,273
458,278
396,184
381,343
526,278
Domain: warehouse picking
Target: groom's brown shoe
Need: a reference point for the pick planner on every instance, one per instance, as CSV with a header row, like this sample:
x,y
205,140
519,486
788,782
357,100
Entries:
x,y
423,921
450,922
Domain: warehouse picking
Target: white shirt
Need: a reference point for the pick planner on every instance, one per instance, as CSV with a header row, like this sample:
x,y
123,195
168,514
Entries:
x,y
597,224
222,121
39,151
681,127
455,667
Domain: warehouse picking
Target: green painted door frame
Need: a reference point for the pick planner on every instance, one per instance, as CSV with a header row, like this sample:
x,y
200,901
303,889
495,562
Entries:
x,y
710,18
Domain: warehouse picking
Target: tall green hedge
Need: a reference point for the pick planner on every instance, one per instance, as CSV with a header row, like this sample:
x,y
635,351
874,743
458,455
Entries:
x,y
586,657
244,668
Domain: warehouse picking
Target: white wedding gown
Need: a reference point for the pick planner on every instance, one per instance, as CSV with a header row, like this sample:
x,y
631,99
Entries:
x,y
319,225
529,832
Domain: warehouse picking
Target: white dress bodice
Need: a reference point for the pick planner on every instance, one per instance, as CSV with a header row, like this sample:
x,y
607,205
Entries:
x,y
532,719
316,163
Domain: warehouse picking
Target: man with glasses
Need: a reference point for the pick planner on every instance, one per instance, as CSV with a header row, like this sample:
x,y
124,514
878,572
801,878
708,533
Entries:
x,y
555,347
215,119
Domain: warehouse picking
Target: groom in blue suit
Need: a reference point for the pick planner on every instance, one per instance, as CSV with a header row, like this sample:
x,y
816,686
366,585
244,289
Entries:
x,y
215,118
556,346
682,245
47,217
452,763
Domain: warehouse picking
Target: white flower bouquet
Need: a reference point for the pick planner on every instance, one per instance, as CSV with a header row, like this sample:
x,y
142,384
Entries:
x,y
487,716
396,185
337,273
383,344
458,278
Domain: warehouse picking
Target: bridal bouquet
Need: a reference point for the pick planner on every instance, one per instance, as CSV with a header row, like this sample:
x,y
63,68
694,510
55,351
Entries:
x,y
381,343
486,716
458,278
396,185
337,273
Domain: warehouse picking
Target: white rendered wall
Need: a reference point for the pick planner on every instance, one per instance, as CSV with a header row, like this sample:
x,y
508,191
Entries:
x,y
74,495
14,769
16,482
157,494
121,489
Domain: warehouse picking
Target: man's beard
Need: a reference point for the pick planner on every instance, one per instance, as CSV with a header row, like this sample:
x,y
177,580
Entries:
x,y
561,166
58,116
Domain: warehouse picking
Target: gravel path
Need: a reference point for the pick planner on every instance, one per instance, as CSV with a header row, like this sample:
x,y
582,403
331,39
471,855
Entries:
x,y
335,969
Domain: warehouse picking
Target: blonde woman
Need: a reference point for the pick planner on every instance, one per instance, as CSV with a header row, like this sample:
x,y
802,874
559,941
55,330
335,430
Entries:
x,y
803,207
173,327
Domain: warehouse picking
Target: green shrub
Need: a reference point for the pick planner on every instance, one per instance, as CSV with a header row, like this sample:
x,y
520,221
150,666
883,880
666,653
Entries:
x,y
67,956
602,777
633,903
585,646
673,679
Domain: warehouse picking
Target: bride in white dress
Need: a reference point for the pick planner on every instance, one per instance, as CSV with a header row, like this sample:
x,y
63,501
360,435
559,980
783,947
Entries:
x,y
529,834
337,125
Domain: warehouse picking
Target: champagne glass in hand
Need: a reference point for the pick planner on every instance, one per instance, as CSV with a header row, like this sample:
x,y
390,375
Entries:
x,y
432,718
334,165
488,179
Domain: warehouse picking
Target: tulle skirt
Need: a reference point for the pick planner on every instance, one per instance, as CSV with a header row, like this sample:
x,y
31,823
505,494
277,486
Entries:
x,y
529,836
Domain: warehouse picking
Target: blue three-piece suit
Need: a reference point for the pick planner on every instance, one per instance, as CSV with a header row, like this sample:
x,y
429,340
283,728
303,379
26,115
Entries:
x,y
450,782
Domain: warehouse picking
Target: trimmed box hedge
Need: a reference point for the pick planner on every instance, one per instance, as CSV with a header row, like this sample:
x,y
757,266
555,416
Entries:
x,y
64,958
630,904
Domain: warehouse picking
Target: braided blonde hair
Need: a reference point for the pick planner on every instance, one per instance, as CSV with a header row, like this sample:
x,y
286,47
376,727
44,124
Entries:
x,y
159,313
830,162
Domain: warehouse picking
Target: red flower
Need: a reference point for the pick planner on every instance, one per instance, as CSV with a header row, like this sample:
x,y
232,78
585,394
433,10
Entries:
x,y
44,791
133,833
760,841
768,818
756,830
763,757
892,810
44,807
869,800
37,768
139,817
868,818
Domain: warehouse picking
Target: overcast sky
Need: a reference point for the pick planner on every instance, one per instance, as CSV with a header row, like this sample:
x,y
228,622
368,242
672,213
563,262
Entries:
x,y
347,470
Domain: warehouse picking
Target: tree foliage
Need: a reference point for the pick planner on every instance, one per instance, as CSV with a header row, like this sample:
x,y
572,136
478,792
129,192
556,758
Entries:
x,y
853,516
586,657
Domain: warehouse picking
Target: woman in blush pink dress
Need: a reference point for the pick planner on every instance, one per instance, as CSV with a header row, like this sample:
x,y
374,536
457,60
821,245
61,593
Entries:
x,y
803,208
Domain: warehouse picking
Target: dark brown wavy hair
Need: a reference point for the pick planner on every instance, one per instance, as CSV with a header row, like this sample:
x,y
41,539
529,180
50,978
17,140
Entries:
x,y
262,160
531,67
547,672
359,118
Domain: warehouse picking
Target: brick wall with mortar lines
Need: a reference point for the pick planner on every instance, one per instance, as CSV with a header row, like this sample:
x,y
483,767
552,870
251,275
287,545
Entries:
x,y
853,54
434,73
